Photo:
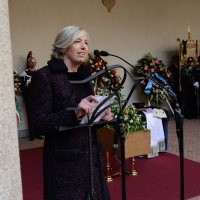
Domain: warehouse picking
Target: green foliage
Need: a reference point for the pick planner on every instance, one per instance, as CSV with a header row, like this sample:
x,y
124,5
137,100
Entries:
x,y
17,83
132,121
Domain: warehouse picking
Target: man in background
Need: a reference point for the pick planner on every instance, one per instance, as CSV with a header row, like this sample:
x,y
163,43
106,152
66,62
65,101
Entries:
x,y
174,69
25,77
188,94
197,83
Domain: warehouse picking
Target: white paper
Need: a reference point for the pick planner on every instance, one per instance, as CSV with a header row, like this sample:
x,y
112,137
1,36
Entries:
x,y
159,113
100,99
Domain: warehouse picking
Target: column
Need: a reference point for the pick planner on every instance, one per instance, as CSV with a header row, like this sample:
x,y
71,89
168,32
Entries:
x,y
10,175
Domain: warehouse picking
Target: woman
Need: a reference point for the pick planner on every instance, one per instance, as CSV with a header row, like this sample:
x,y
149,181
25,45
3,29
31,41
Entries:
x,y
66,153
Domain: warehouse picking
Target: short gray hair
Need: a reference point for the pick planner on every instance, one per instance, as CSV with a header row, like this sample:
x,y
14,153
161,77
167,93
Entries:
x,y
65,38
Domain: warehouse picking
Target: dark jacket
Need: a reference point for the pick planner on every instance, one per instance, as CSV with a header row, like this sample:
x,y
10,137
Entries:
x,y
66,153
188,97
175,73
197,79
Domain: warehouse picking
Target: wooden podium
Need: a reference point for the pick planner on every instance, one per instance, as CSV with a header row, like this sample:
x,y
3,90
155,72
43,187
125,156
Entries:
x,y
136,143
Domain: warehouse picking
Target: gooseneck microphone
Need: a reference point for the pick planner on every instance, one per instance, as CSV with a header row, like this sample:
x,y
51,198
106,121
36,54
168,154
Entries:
x,y
105,53
101,53
97,53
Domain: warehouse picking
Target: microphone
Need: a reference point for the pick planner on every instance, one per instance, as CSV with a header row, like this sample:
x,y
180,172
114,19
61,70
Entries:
x,y
101,53
104,53
97,53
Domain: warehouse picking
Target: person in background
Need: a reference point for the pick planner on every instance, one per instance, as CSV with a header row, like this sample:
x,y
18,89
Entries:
x,y
197,83
188,96
66,153
174,69
25,77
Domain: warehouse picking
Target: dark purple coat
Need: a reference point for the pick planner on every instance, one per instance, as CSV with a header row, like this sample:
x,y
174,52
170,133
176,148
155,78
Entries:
x,y
66,153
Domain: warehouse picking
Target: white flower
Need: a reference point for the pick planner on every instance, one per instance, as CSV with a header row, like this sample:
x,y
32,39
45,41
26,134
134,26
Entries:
x,y
125,117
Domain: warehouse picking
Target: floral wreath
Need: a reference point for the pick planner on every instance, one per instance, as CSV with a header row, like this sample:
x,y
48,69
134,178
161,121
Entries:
x,y
154,68
131,120
17,92
17,83
96,64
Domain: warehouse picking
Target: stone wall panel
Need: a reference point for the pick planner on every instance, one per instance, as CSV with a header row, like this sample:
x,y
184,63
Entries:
x,y
10,175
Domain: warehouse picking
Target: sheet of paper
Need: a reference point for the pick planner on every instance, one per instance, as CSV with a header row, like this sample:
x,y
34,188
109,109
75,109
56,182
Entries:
x,y
100,99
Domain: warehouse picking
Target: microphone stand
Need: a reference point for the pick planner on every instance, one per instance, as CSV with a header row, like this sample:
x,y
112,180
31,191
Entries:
x,y
179,132
120,131
179,119
197,93
119,126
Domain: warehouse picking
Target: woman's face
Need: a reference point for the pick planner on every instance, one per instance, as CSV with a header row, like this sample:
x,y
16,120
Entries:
x,y
76,53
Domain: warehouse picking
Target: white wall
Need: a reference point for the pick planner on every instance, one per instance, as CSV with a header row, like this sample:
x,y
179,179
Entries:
x,y
132,29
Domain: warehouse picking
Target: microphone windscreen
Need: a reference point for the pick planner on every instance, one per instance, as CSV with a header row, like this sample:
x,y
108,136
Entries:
x,y
104,53
97,53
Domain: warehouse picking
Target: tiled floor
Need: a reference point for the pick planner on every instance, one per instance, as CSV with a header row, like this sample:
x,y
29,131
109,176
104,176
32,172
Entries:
x,y
24,143
191,131
191,134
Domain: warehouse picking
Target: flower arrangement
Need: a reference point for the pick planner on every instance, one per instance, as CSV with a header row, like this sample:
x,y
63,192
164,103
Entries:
x,y
17,83
18,92
132,121
96,64
154,68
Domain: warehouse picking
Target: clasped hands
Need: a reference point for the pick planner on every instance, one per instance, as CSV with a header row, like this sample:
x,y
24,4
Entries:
x,y
86,105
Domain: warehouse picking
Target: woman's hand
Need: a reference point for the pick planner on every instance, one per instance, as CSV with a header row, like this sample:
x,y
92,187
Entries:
x,y
86,106
108,115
